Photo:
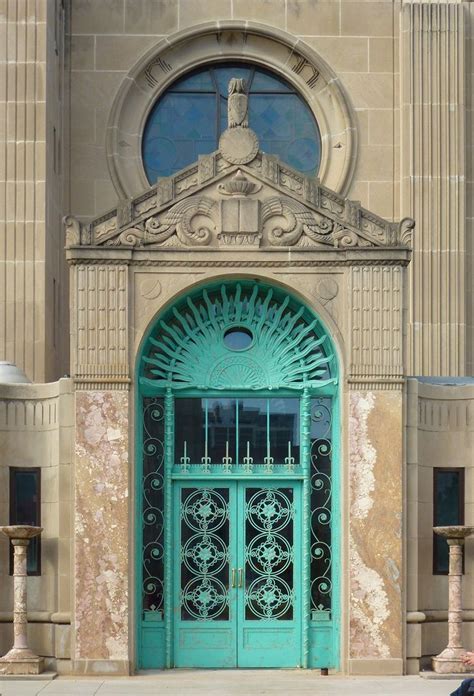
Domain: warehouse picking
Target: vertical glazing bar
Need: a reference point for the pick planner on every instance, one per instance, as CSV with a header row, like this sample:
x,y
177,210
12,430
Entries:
x,y
237,433
206,460
268,460
268,428
305,560
169,456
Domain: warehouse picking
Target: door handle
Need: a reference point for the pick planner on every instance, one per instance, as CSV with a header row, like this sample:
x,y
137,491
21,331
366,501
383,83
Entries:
x,y
234,571
241,577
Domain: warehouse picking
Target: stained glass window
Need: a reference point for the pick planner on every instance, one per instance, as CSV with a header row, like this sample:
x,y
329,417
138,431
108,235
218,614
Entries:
x,y
190,116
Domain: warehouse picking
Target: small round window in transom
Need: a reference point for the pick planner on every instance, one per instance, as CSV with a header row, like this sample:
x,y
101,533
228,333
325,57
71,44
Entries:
x,y
238,338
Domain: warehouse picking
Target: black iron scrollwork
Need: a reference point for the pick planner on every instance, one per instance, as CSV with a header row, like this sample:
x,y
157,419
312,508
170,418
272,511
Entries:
x,y
153,504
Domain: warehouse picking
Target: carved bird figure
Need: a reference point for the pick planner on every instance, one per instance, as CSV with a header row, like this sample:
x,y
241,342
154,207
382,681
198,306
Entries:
x,y
237,105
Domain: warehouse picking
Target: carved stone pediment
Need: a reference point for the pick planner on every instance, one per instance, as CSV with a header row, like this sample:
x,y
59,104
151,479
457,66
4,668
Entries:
x,y
238,196
239,207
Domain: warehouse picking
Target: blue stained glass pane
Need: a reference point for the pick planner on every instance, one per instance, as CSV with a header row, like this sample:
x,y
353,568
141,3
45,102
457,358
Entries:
x,y
264,82
182,126
177,132
198,82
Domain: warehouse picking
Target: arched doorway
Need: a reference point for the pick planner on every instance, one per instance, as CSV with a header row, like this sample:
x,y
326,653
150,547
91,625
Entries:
x,y
238,543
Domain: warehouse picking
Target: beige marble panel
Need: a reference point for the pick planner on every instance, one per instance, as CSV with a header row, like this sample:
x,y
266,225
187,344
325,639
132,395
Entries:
x,y
375,431
101,525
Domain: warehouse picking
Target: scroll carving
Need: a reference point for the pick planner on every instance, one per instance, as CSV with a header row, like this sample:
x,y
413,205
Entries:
x,y
405,231
73,231
344,237
193,220
285,220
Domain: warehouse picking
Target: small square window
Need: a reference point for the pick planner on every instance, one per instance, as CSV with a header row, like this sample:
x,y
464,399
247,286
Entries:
x,y
25,508
448,508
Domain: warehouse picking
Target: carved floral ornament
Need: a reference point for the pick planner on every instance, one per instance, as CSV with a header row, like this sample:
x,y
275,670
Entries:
x,y
238,196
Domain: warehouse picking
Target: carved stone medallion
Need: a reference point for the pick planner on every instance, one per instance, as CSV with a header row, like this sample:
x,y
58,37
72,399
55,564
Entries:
x,y
238,145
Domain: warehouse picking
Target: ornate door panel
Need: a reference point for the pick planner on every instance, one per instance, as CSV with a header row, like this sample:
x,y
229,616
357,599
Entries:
x,y
269,606
237,599
204,605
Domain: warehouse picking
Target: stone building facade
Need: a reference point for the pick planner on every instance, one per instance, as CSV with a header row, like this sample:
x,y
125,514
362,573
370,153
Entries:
x,y
323,321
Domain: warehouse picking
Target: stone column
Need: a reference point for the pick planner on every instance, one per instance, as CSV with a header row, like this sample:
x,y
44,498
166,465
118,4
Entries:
x,y
376,471
20,659
450,659
99,362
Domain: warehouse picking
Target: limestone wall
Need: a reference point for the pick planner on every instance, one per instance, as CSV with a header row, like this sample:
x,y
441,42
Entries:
x,y
470,191
358,40
405,68
378,50
36,430
440,433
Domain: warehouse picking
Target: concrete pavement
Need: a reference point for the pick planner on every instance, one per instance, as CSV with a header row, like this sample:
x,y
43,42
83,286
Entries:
x,y
230,683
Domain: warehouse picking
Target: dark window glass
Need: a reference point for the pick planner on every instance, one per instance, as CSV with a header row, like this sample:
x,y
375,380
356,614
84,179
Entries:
x,y
448,508
284,417
221,434
190,431
252,429
25,508
262,428
190,116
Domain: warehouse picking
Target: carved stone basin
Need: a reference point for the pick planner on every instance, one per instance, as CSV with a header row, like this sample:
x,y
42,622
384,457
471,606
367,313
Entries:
x,y
21,531
456,531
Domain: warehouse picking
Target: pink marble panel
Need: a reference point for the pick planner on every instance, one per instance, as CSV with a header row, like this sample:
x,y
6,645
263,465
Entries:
x,y
376,466
101,525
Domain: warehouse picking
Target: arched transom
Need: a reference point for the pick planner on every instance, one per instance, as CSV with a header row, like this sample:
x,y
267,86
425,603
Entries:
x,y
238,335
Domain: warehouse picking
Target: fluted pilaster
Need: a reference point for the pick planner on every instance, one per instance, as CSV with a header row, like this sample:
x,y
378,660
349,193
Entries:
x,y
433,182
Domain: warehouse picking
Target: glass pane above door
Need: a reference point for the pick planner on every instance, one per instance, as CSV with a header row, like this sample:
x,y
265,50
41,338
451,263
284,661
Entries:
x,y
247,433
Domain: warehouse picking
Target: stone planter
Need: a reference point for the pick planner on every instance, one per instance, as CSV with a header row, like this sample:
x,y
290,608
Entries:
x,y
449,660
20,659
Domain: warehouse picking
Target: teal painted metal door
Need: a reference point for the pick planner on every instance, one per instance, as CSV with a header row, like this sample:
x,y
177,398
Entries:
x,y
237,410
237,573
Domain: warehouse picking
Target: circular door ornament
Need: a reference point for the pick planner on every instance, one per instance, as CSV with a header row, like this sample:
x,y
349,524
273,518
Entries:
x,y
205,554
269,510
269,597
204,598
205,510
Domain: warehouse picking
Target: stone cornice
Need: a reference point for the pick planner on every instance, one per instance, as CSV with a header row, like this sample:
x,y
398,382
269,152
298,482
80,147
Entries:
x,y
389,257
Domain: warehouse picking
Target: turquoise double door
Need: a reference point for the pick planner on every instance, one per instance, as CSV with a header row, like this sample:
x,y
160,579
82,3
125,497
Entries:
x,y
237,572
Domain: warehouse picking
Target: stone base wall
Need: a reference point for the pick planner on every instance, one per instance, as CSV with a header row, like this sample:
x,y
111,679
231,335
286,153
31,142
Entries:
x,y
102,533
439,433
36,430
375,542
